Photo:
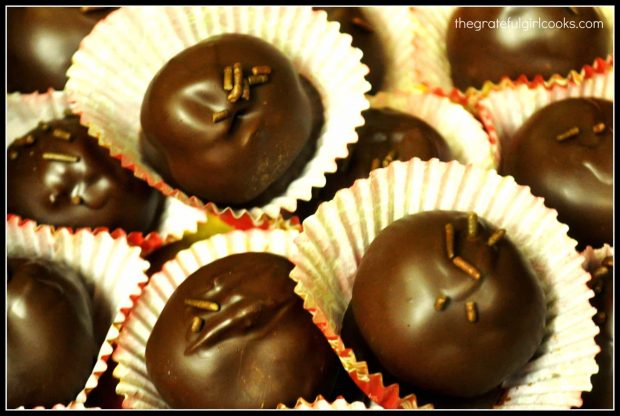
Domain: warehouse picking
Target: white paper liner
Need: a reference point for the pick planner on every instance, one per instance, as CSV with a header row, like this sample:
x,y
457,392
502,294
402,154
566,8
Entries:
x,y
336,237
114,268
464,135
503,111
134,383
432,67
25,111
116,62
394,27
321,404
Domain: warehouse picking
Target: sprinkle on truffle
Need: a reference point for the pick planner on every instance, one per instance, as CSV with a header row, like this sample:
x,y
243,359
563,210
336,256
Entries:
x,y
206,305
568,134
467,267
60,157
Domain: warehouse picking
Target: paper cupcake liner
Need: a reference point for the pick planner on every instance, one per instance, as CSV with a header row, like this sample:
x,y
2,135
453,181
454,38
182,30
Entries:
x,y
504,110
394,27
334,241
464,135
114,268
321,404
25,111
134,382
432,67
116,62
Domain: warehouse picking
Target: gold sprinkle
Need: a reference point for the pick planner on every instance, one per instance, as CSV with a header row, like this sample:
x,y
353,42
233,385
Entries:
x,y
389,158
375,164
449,231
59,157
44,126
495,237
197,324
362,23
76,200
600,272
236,91
608,261
472,226
220,115
258,79
440,302
472,312
61,134
598,128
261,70
467,267
567,134
13,154
246,90
30,139
228,78
206,305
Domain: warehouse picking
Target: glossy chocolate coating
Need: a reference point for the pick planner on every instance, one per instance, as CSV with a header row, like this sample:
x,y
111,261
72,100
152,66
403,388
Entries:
x,y
41,42
235,160
406,268
386,134
260,349
354,22
95,191
602,394
51,348
492,53
575,175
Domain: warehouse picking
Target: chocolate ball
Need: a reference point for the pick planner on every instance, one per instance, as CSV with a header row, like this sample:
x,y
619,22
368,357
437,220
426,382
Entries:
x,y
57,174
208,138
438,312
515,41
563,152
51,346
258,349
602,394
354,22
386,135
41,41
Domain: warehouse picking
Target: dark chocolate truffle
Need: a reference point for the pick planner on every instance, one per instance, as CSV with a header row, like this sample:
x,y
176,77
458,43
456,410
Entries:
x,y
230,120
564,153
386,135
40,42
258,349
354,22
51,347
515,41
57,174
447,303
602,394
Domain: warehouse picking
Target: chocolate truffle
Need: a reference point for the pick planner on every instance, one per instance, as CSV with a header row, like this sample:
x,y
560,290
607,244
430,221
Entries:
x,y
41,41
354,22
435,297
57,174
386,135
515,41
564,152
229,120
51,347
235,335
602,394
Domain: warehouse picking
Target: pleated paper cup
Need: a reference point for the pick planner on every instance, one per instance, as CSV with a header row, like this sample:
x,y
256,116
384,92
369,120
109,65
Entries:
x,y
116,62
113,267
134,382
432,67
25,111
464,135
334,241
321,404
505,109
